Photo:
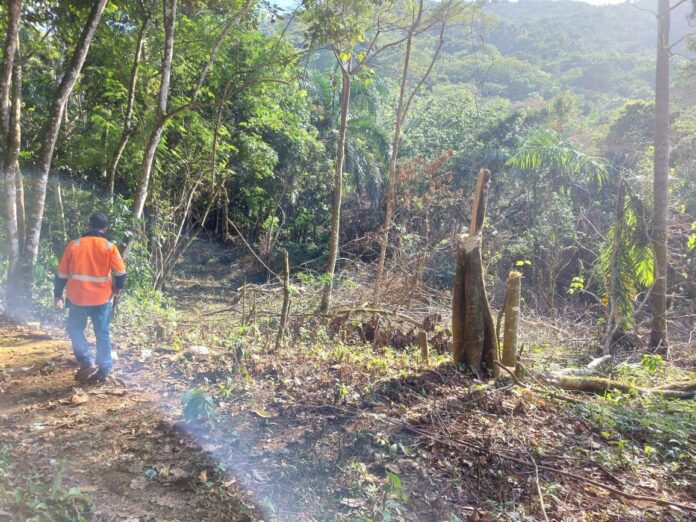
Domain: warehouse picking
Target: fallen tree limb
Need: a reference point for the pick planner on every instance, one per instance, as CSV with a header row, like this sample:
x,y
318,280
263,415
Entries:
x,y
680,386
585,380
511,374
599,361
600,385
591,369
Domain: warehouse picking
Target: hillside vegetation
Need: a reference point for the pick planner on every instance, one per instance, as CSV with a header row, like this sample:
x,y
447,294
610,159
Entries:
x,y
386,260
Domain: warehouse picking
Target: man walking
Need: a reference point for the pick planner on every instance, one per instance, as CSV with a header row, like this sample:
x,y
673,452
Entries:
x,y
86,268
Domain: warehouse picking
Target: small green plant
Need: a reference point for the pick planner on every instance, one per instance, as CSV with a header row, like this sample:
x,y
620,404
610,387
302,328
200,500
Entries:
x,y
198,407
395,497
341,392
620,445
227,388
651,362
649,450
576,285
27,498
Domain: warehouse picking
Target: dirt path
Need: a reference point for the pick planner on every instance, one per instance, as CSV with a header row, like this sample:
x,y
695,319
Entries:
x,y
114,441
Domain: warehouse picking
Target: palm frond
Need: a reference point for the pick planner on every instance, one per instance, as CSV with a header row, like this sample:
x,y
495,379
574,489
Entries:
x,y
367,97
365,171
545,149
628,261
366,128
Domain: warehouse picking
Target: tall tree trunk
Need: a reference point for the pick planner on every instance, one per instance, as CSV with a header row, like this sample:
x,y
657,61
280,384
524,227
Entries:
x,y
338,192
23,277
52,129
162,116
128,118
160,120
12,145
396,141
8,138
21,211
11,41
62,239
658,335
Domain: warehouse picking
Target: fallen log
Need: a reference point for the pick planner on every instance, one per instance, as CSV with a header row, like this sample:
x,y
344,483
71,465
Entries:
x,y
601,385
681,386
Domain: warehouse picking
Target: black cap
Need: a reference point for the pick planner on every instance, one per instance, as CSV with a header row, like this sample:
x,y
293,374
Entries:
x,y
98,221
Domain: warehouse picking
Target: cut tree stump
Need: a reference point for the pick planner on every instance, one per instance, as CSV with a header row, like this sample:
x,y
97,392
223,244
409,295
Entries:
x,y
512,316
474,341
285,311
424,349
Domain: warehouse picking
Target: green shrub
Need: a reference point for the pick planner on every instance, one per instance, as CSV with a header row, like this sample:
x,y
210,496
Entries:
x,y
198,407
31,499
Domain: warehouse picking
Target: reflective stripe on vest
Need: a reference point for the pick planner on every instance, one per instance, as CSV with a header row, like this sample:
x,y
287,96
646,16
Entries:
x,y
91,279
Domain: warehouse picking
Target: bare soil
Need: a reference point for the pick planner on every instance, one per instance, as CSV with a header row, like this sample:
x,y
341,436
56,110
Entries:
x,y
118,441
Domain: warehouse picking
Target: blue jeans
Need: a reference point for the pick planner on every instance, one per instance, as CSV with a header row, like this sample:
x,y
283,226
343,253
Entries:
x,y
77,322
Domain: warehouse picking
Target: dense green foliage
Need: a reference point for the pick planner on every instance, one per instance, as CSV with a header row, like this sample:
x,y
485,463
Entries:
x,y
553,97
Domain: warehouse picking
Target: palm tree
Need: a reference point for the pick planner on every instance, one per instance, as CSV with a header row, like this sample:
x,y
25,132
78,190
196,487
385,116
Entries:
x,y
546,149
554,164
367,144
625,261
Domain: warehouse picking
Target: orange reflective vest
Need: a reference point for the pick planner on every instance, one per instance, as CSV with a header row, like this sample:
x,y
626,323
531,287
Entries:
x,y
87,265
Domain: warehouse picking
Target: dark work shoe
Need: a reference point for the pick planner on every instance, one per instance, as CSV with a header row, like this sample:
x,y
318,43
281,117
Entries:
x,y
83,375
98,377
